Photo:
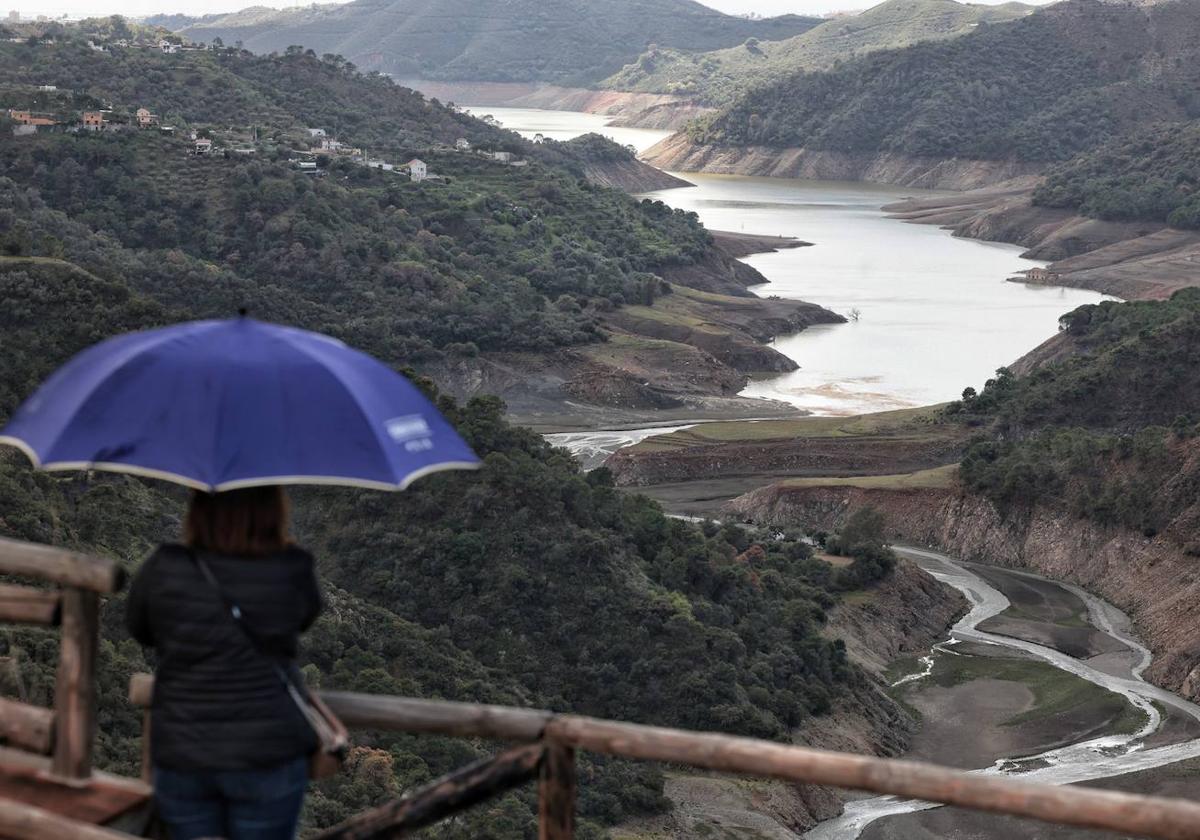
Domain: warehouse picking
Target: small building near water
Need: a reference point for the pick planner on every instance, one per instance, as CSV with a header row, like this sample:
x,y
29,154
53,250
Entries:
x,y
1043,275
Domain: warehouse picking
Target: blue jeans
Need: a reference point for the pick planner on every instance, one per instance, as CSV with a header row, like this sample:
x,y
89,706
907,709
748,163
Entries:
x,y
233,804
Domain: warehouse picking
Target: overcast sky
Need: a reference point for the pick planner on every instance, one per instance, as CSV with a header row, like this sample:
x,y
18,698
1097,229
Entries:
x,y
83,8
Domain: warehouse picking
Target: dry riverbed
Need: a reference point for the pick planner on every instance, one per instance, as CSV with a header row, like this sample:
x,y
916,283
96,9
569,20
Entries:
x,y
980,703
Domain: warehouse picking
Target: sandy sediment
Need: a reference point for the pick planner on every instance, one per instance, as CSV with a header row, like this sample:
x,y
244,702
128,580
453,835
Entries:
x,y
740,245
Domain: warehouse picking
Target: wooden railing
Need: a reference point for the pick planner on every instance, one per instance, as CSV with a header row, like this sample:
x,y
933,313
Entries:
x,y
547,742
67,732
549,756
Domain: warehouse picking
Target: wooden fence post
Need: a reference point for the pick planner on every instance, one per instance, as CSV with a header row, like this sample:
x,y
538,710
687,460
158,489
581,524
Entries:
x,y
75,686
556,794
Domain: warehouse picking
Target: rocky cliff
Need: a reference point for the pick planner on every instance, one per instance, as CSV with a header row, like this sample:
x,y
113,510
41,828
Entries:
x,y
678,154
1154,579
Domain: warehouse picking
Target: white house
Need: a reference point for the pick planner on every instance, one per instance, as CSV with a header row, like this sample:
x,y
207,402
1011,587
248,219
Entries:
x,y
380,164
316,132
502,157
462,144
168,47
204,146
417,169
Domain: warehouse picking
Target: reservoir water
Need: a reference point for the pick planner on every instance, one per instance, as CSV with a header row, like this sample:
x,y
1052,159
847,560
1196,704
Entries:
x,y
931,313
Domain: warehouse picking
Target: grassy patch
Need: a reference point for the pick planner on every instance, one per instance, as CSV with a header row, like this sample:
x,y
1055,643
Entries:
x,y
938,477
906,423
859,596
835,560
1055,691
903,667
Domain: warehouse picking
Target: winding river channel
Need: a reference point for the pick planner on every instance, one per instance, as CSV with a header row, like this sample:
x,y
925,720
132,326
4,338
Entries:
x,y
929,314
1098,758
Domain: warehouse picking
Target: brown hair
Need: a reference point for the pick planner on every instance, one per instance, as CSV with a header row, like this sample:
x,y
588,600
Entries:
x,y
253,520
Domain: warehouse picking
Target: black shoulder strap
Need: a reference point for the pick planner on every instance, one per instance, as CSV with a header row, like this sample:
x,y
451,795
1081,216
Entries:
x,y
230,607
235,612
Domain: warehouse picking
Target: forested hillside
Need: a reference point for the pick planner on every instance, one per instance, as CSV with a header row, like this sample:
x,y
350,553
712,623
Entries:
x,y
1105,431
499,258
719,76
1046,87
280,96
570,42
1152,175
527,582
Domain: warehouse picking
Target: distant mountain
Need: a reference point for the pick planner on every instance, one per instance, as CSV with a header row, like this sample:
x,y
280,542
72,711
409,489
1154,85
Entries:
x,y
1046,87
565,42
716,77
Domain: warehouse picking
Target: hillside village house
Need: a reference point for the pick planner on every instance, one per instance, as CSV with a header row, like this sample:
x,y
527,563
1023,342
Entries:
x,y
169,47
145,119
30,118
93,121
417,169
502,157
462,144
316,132
204,146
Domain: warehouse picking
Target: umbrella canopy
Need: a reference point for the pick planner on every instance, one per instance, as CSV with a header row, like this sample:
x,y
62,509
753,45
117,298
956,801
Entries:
x,y
217,405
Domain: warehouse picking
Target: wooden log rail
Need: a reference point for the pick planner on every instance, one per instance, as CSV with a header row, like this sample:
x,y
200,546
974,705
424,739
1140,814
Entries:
x,y
55,565
68,731
561,735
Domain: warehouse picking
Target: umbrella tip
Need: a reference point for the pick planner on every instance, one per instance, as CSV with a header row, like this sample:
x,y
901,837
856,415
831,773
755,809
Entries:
x,y
243,312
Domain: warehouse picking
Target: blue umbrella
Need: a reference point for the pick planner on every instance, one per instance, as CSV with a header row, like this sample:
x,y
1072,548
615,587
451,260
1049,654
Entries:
x,y
217,405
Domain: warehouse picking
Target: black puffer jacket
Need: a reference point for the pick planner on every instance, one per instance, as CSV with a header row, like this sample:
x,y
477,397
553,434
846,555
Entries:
x,y
218,703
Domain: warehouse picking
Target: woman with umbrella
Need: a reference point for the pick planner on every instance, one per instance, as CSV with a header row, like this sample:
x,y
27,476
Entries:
x,y
234,410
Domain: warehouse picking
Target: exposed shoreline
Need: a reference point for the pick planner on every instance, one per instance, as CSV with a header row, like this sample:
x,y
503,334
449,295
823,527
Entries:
x,y
1128,260
683,359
